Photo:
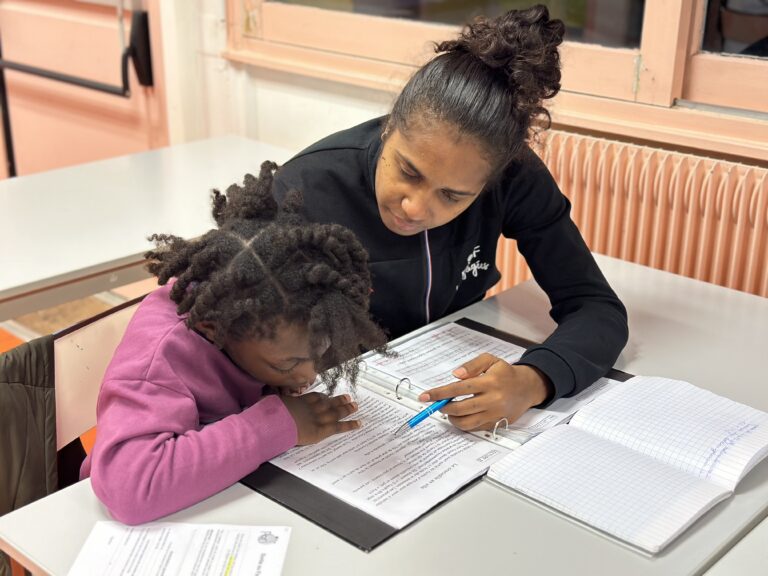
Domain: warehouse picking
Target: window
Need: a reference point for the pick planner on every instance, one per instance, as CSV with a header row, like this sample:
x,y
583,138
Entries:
x,y
728,62
641,69
615,23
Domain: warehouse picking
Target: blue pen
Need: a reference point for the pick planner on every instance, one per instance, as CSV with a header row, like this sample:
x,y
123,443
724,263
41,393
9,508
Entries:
x,y
429,410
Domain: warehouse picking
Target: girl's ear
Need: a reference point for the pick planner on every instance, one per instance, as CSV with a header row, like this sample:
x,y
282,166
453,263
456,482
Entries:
x,y
208,329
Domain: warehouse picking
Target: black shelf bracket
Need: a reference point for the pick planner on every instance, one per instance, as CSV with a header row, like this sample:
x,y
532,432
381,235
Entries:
x,y
138,51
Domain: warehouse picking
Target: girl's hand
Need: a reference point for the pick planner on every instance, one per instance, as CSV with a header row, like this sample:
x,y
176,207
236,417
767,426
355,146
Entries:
x,y
285,391
317,416
498,390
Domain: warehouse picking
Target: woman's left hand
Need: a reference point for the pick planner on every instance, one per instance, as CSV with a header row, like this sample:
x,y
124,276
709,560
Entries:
x,y
498,390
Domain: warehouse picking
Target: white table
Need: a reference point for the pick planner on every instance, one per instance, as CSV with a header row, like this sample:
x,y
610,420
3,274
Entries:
x,y
712,336
75,231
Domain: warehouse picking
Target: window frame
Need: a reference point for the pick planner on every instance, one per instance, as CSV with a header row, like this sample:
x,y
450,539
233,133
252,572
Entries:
x,y
634,95
720,79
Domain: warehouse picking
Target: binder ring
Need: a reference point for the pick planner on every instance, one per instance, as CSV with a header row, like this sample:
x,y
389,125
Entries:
x,y
496,426
407,381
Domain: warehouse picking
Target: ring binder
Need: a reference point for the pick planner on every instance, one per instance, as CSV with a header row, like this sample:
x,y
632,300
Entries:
x,y
410,387
496,426
385,374
386,377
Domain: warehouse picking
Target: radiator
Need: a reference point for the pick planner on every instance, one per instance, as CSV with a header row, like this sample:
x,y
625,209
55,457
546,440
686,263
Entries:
x,y
694,216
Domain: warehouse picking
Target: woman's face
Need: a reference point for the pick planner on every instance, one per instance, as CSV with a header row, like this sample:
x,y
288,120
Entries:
x,y
428,177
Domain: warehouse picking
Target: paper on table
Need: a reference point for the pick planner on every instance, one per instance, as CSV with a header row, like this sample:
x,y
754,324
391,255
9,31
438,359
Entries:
x,y
170,549
395,478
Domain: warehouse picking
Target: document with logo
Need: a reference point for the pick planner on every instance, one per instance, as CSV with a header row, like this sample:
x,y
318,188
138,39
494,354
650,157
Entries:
x,y
169,548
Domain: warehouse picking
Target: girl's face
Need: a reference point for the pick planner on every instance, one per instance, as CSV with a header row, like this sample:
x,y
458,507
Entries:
x,y
428,177
282,362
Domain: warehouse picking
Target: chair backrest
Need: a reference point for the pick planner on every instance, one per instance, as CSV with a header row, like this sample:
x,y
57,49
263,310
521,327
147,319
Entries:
x,y
743,27
81,356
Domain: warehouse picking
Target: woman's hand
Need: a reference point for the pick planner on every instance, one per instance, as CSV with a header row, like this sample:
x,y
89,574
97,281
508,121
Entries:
x,y
317,416
498,390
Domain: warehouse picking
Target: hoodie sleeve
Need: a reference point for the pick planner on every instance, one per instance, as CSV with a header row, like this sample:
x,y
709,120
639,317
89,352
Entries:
x,y
152,456
591,320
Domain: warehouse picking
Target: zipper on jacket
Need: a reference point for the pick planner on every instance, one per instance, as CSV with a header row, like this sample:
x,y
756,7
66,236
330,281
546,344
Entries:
x,y
429,276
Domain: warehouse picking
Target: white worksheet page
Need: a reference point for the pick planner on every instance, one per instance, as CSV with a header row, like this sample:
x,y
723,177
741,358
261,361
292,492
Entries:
x,y
395,478
427,360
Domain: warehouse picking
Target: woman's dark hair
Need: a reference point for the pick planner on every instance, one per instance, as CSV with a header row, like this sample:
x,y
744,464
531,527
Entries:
x,y
264,265
489,83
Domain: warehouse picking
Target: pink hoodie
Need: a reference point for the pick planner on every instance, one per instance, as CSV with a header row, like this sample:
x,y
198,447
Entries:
x,y
178,421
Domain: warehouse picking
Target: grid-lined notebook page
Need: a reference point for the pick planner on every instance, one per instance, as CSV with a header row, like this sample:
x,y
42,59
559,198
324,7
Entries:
x,y
682,425
605,485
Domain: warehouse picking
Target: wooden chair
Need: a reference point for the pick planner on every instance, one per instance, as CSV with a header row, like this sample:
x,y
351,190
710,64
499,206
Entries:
x,y
743,27
81,355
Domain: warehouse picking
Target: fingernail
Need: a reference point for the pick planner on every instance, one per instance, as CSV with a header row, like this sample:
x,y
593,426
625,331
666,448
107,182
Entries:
x,y
460,372
424,397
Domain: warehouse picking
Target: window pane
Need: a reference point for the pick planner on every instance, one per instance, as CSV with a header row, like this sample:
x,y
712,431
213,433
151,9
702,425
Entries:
x,y
737,27
605,22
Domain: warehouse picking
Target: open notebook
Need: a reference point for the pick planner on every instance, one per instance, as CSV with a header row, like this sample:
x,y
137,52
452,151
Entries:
x,y
641,462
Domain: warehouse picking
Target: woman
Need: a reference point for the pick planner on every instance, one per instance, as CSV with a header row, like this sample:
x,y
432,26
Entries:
x,y
429,189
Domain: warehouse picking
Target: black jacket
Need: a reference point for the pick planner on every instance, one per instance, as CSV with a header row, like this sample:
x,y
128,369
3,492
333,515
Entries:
x,y
27,424
336,176
27,427
30,467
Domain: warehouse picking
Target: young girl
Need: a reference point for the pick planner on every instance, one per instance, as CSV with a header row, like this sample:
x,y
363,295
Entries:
x,y
262,303
431,187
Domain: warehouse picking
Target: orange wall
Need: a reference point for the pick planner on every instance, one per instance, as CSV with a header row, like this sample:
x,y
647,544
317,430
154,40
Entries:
x,y
56,124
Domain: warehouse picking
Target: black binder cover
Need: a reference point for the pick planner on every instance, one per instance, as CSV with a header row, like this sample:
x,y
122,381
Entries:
x,y
327,511
347,522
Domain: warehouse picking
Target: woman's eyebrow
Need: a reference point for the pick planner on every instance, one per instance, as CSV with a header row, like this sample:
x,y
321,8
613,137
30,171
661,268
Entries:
x,y
408,163
458,192
417,172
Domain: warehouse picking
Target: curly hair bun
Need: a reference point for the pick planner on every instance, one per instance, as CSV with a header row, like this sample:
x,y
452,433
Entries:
x,y
523,44
251,201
